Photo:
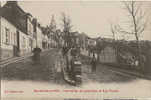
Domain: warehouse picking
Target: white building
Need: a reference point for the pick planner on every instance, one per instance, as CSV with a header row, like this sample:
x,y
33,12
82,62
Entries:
x,y
8,38
13,42
39,37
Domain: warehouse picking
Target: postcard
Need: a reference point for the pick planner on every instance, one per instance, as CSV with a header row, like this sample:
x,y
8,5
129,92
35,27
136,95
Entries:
x,y
75,50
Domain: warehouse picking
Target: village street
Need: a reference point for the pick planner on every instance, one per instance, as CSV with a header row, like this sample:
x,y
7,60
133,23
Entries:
x,y
75,50
24,77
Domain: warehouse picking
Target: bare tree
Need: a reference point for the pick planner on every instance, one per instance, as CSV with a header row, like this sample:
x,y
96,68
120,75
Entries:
x,y
137,17
67,26
137,22
114,32
66,23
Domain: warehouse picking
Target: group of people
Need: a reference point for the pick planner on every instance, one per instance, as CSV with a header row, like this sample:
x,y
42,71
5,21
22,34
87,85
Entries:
x,y
36,55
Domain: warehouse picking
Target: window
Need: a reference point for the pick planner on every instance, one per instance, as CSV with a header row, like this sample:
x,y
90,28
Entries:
x,y
12,37
30,42
24,42
7,35
15,38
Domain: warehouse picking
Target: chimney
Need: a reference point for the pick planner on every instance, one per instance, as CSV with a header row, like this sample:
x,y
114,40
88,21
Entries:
x,y
12,2
34,21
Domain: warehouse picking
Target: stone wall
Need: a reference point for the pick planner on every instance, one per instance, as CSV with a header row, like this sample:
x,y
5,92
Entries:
x,y
108,55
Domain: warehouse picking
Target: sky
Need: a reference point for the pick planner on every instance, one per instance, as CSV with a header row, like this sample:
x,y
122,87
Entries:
x,y
91,17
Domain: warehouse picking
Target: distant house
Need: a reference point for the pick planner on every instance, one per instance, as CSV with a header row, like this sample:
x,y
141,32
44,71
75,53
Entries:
x,y
91,42
46,42
37,33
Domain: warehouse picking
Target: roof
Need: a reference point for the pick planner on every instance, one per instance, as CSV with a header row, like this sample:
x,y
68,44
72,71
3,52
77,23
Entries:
x,y
14,14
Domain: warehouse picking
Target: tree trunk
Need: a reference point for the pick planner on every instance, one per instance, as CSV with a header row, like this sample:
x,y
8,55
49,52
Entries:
x,y
98,56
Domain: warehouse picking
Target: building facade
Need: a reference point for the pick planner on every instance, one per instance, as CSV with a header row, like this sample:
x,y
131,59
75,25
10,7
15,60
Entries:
x,y
8,38
30,32
17,31
38,34
39,37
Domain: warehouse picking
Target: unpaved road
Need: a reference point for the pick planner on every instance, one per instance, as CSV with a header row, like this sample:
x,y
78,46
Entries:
x,y
105,83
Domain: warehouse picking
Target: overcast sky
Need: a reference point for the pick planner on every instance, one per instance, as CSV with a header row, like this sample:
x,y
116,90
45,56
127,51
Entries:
x,y
92,18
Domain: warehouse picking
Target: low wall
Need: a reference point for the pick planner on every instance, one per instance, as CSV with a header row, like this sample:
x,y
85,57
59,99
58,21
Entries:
x,y
6,53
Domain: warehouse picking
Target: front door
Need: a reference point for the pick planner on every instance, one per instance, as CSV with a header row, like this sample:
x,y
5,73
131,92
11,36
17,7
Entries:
x,y
17,46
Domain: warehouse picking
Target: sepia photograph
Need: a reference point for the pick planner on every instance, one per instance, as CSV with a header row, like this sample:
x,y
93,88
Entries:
x,y
75,50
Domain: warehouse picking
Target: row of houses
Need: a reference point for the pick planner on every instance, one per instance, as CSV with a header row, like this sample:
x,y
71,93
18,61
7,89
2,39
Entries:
x,y
20,32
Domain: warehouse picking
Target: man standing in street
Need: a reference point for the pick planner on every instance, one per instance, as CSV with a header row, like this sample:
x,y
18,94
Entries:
x,y
93,63
36,55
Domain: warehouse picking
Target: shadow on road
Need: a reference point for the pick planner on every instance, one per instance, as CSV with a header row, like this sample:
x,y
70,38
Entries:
x,y
26,70
105,75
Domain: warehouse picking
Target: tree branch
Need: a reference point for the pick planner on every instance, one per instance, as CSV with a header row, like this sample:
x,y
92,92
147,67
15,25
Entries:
x,y
119,29
127,6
